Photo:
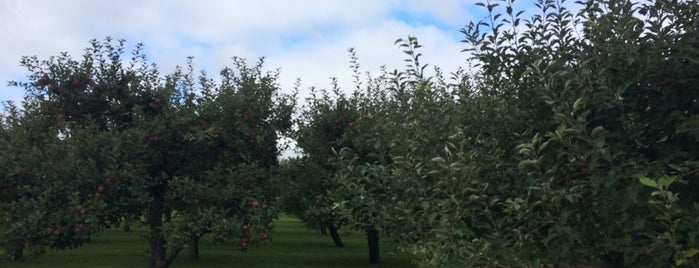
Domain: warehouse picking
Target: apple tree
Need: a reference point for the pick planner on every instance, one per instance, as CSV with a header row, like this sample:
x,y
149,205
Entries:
x,y
326,126
401,114
234,131
571,149
59,154
569,145
166,150
306,186
43,206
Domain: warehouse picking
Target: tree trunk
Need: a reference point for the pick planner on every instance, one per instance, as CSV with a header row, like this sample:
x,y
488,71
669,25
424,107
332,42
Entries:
x,y
323,230
373,240
194,247
158,248
155,220
157,252
16,252
615,259
335,236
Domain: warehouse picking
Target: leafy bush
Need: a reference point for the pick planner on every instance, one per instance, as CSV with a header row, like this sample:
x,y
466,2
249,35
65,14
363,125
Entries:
x,y
536,157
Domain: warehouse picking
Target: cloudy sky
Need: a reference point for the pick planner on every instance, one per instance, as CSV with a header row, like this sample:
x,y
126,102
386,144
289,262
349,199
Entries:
x,y
306,39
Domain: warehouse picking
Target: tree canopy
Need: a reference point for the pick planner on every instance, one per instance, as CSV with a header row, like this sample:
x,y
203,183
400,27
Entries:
x,y
569,139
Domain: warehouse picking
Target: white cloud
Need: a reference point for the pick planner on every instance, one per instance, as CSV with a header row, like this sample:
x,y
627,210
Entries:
x,y
305,38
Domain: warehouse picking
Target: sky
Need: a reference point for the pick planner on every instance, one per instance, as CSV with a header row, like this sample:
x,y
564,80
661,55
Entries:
x,y
305,39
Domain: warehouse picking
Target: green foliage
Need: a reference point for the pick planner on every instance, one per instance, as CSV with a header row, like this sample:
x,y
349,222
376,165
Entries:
x,y
326,125
569,142
115,141
534,159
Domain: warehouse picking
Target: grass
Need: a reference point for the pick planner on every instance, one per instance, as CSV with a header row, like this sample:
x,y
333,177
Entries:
x,y
293,247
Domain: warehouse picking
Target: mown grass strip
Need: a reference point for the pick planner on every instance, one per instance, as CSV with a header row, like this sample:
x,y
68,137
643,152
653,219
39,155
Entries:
x,y
293,246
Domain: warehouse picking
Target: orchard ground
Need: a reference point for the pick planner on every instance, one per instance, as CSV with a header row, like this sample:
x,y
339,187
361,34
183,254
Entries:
x,y
293,246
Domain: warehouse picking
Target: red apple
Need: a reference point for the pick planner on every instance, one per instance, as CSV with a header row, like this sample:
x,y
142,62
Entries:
x,y
255,204
100,189
81,228
43,81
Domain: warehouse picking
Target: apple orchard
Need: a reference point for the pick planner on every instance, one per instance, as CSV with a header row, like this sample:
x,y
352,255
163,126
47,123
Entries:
x,y
570,139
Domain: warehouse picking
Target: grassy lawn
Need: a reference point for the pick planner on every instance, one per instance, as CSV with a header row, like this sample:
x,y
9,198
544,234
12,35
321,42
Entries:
x,y
293,246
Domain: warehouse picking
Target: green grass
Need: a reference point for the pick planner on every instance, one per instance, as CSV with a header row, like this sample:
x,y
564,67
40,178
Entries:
x,y
293,247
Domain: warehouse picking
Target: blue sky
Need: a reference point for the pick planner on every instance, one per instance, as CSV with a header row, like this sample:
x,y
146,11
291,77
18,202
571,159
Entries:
x,y
304,38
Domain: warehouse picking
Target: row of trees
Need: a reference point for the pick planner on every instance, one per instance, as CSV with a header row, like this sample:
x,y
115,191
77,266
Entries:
x,y
571,141
106,141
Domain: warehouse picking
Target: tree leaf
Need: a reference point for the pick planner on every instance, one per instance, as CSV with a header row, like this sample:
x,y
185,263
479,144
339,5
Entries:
x,y
648,182
665,181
